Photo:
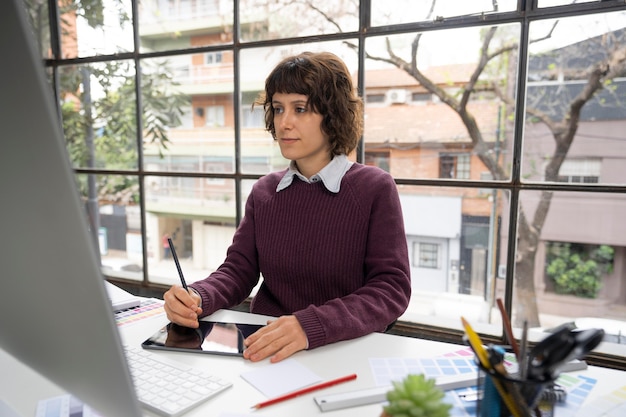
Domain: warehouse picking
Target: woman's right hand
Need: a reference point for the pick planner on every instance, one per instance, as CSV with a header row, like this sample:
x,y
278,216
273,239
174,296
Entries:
x,y
182,306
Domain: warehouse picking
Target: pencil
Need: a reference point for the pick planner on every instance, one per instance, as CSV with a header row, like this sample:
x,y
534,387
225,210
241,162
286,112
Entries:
x,y
508,330
180,270
483,357
476,344
306,390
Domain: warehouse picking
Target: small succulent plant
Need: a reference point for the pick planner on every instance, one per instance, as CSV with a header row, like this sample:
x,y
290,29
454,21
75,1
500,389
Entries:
x,y
416,396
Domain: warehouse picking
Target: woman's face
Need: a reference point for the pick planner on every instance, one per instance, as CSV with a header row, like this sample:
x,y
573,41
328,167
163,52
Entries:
x,y
299,133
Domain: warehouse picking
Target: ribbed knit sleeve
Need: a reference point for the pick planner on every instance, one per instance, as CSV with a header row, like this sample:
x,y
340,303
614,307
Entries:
x,y
234,280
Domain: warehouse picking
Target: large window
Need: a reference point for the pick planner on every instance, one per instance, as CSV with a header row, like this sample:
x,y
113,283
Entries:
x,y
502,127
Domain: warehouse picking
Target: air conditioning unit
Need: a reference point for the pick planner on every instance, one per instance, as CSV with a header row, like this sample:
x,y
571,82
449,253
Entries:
x,y
396,95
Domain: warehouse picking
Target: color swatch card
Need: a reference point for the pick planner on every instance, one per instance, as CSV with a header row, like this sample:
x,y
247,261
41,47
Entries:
x,y
461,362
386,370
609,405
151,307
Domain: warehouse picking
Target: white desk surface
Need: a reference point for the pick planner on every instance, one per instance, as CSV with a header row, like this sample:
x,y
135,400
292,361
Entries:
x,y
22,388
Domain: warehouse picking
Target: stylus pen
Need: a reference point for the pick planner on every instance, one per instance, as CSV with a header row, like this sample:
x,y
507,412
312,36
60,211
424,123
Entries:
x,y
180,271
306,390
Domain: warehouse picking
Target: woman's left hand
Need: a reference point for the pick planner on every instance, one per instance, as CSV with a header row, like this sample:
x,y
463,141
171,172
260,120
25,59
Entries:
x,y
279,339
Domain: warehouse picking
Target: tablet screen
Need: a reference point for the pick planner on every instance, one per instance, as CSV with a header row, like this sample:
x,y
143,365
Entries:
x,y
219,338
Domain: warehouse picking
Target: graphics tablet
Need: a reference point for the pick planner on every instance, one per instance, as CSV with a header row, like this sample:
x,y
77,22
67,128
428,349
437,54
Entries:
x,y
212,337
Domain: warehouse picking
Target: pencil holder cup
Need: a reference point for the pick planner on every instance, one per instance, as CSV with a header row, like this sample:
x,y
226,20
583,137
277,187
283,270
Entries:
x,y
509,396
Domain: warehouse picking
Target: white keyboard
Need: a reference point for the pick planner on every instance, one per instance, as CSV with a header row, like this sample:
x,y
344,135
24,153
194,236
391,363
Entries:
x,y
168,387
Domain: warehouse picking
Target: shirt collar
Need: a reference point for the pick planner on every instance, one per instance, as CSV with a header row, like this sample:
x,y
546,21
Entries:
x,y
331,175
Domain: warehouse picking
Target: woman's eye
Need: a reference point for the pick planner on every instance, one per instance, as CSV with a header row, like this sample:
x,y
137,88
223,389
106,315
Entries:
x,y
300,109
278,110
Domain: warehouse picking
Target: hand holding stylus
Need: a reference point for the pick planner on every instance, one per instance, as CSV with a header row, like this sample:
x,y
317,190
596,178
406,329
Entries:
x,y
182,305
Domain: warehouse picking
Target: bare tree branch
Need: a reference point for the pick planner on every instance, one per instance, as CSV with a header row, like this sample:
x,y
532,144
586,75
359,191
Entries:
x,y
324,14
482,63
563,132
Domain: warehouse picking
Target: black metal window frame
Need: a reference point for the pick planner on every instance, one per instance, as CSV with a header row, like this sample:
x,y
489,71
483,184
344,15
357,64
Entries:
x,y
527,11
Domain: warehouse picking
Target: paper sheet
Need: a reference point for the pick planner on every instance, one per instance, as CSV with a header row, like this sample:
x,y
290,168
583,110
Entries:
x,y
281,378
231,414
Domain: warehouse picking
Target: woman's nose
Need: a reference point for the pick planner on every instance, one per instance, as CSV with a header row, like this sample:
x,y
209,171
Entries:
x,y
286,121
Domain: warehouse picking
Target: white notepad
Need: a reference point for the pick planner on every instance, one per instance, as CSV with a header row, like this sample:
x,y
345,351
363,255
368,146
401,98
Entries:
x,y
281,378
121,299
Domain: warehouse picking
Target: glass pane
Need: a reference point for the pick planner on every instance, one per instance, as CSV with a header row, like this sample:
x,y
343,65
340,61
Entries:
x,y
552,3
566,273
96,27
259,152
576,69
274,19
387,12
182,24
198,214
38,16
111,203
98,109
446,118
188,114
454,250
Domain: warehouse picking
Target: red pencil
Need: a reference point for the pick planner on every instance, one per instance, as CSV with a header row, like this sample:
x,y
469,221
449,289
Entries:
x,y
508,331
306,390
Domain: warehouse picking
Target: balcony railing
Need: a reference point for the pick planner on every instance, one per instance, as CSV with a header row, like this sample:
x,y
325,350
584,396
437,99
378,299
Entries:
x,y
165,11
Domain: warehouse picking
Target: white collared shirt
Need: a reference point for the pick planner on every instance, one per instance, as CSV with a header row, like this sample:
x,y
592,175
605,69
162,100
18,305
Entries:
x,y
331,175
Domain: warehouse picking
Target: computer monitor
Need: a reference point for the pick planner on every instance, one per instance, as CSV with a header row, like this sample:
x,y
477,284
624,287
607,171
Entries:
x,y
55,315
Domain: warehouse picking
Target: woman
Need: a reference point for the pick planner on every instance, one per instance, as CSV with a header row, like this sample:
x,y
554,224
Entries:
x,y
326,234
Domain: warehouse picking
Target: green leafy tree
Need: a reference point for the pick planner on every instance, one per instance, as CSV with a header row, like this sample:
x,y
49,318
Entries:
x,y
90,10
98,104
577,269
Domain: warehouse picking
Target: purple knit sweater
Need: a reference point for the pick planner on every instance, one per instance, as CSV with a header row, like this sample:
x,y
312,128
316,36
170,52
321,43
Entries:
x,y
338,262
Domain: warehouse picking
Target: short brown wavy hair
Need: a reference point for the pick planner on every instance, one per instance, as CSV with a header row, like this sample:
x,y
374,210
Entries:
x,y
324,78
